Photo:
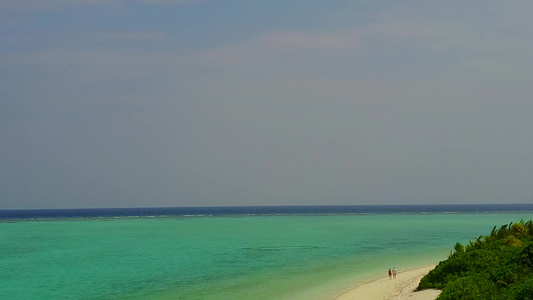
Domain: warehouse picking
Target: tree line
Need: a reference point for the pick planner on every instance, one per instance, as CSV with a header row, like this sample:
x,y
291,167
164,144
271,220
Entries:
x,y
493,267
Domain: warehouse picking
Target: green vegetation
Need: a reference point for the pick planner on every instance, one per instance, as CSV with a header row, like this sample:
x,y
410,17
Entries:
x,y
493,267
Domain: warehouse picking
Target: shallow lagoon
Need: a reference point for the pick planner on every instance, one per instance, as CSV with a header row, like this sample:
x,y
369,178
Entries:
x,y
224,257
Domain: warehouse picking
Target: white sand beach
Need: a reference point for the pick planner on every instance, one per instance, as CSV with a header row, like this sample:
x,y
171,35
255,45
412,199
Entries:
x,y
401,288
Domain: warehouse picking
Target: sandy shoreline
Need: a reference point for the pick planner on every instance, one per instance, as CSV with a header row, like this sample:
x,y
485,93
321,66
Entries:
x,y
401,288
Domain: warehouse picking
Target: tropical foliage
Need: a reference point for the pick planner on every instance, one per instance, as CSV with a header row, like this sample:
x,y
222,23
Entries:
x,y
493,267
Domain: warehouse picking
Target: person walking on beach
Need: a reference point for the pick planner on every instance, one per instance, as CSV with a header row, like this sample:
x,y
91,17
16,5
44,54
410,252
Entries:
x,y
390,274
394,272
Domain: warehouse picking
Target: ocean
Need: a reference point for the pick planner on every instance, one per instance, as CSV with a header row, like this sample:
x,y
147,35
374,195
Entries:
x,y
298,252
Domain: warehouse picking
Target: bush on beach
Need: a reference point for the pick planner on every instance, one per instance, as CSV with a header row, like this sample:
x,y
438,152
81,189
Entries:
x,y
495,266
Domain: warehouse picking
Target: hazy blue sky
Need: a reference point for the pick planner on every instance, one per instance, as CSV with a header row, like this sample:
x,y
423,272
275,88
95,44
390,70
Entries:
x,y
108,103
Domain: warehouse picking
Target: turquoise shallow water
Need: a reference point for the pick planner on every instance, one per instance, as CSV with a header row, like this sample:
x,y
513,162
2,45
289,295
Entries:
x,y
244,257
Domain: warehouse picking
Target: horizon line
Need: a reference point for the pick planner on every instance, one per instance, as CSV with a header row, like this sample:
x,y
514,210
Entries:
x,y
265,206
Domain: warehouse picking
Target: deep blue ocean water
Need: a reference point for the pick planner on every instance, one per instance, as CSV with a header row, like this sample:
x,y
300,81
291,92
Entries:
x,y
257,210
300,252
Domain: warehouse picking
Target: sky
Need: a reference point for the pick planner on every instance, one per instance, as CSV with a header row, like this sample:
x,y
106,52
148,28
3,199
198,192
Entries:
x,y
163,103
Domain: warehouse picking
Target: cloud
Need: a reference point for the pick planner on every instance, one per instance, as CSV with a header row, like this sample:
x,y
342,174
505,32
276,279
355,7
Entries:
x,y
414,42
383,46
133,36
171,2
61,4
389,33
86,69
274,44
303,41
51,4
